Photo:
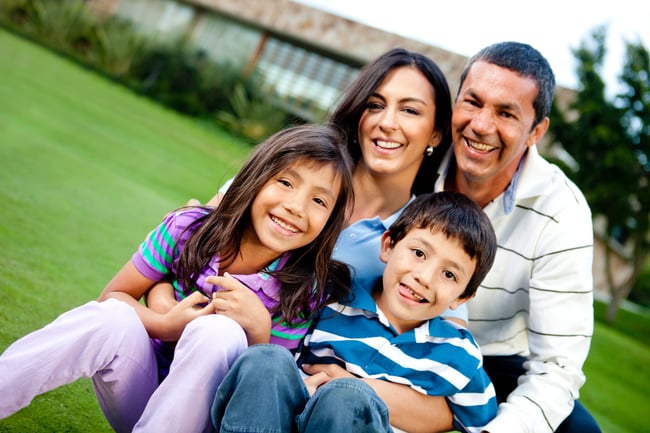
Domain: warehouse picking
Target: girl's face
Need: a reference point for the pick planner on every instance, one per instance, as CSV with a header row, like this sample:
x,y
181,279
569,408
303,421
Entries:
x,y
292,208
398,124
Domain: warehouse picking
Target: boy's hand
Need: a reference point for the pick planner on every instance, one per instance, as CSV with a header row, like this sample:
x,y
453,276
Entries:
x,y
313,382
333,371
320,374
241,304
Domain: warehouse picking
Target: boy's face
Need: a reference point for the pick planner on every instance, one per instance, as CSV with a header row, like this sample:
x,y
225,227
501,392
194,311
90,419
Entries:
x,y
425,274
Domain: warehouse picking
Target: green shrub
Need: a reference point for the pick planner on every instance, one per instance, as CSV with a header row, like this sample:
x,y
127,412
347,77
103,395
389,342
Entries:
x,y
251,116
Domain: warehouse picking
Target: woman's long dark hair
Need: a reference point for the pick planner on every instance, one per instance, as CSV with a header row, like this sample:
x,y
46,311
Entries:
x,y
355,99
305,276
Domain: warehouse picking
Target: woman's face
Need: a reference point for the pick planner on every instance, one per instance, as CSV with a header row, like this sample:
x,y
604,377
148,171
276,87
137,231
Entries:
x,y
398,124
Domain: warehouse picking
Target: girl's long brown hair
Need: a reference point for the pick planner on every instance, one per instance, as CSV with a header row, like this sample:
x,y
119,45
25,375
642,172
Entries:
x,y
310,273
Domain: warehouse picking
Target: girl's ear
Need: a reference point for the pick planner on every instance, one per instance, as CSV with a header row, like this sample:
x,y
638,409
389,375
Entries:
x,y
386,247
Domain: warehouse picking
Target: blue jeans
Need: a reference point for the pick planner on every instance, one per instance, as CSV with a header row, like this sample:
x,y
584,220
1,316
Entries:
x,y
264,393
504,372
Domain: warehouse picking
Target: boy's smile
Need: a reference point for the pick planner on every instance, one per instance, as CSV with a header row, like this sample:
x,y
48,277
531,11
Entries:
x,y
425,274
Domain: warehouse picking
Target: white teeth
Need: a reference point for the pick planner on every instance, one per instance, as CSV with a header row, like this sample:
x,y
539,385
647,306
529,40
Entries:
x,y
481,147
284,225
415,295
387,144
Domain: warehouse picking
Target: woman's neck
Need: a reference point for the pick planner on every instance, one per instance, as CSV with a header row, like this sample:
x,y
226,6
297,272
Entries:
x,y
377,196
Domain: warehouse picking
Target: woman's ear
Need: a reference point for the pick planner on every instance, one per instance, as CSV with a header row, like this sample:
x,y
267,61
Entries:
x,y
435,139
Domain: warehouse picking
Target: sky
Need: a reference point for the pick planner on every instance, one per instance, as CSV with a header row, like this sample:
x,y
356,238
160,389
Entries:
x,y
554,27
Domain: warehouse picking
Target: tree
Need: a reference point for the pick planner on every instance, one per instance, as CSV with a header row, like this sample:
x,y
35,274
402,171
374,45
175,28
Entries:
x,y
609,141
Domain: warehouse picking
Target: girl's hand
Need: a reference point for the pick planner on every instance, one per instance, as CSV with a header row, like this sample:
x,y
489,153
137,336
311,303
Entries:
x,y
241,304
182,313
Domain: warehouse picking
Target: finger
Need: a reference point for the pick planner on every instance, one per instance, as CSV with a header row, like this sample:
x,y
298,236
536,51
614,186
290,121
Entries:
x,y
225,282
196,298
317,379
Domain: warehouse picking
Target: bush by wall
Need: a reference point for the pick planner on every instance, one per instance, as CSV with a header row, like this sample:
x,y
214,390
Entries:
x,y
171,73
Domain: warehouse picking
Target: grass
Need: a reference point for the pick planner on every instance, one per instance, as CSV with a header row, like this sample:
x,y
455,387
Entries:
x,y
87,169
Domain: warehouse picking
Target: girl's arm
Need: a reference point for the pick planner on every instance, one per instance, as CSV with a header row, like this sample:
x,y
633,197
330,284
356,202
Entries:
x,y
129,286
160,297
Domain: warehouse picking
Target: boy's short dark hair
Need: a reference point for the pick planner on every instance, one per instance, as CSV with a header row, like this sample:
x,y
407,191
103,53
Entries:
x,y
458,217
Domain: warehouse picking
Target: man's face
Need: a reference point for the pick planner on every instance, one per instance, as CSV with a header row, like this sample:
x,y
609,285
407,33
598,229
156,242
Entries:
x,y
491,125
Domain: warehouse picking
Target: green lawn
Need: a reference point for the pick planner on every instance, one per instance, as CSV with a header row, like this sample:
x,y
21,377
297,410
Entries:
x,y
87,169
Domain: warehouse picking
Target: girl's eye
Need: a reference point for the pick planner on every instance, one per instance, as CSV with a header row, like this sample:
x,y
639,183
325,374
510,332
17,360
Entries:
x,y
449,275
320,202
285,182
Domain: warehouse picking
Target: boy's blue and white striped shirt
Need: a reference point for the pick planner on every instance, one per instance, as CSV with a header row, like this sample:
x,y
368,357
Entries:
x,y
437,358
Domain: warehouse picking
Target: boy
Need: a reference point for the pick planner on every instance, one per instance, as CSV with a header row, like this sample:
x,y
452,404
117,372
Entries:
x,y
436,254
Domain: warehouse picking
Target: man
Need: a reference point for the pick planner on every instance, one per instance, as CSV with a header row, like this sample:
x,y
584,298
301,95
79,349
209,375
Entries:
x,y
533,315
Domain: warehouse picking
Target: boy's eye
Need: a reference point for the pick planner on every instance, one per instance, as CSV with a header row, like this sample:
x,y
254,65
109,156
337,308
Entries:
x,y
449,275
418,253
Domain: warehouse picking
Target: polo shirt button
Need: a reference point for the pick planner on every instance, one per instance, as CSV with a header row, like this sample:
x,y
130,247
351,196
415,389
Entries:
x,y
353,236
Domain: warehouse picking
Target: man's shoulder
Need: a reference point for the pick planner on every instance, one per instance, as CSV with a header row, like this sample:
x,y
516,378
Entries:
x,y
545,184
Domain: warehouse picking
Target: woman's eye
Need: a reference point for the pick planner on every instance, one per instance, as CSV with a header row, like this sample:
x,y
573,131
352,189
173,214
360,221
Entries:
x,y
411,111
373,106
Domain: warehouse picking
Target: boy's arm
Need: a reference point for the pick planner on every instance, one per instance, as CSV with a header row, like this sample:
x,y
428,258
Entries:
x,y
408,409
413,411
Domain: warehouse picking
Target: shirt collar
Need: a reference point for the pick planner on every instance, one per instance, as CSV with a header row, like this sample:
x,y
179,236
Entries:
x,y
261,280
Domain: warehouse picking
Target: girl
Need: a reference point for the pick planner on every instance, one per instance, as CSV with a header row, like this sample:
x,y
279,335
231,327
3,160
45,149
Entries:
x,y
273,232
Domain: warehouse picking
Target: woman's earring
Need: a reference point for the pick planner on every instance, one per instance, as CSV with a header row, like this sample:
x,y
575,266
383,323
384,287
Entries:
x,y
428,151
